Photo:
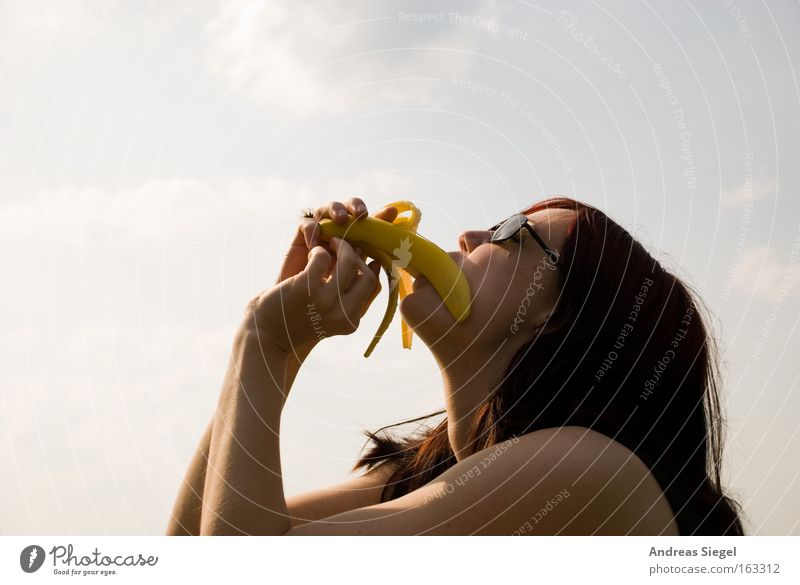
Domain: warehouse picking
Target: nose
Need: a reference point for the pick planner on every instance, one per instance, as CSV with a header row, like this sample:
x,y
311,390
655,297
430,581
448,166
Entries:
x,y
471,239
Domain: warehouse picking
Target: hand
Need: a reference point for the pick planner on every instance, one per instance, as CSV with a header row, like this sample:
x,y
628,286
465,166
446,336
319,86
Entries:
x,y
307,303
307,235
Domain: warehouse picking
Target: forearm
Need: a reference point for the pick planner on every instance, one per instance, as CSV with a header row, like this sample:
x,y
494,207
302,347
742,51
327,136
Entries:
x,y
185,519
243,492
187,510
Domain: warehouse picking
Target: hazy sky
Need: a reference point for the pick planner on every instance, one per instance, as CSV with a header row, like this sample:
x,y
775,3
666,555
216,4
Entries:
x,y
154,158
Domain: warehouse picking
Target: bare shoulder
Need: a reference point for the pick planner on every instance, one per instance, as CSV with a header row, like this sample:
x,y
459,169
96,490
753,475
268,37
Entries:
x,y
565,480
619,493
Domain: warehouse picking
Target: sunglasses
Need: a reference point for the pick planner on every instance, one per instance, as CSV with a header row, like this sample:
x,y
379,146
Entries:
x,y
510,228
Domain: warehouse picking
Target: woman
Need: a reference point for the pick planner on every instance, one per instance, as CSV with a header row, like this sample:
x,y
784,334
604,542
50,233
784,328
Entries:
x,y
580,394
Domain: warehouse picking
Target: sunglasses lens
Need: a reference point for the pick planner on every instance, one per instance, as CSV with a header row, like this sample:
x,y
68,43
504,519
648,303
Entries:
x,y
508,228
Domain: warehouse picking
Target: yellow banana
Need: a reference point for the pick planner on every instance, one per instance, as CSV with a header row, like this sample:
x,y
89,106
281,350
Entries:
x,y
404,254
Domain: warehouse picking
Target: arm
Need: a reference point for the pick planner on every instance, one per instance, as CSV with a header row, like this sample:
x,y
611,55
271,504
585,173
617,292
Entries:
x,y
243,491
358,492
258,380
185,518
565,480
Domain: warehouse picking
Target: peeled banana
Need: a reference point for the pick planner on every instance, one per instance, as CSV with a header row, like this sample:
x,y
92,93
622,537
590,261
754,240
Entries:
x,y
404,254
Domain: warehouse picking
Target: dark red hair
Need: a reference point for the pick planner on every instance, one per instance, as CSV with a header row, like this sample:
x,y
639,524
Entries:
x,y
625,352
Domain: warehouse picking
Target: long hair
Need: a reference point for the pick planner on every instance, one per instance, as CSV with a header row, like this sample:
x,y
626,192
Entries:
x,y
625,352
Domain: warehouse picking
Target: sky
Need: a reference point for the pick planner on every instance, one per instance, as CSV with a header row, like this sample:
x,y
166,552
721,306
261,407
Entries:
x,y
154,158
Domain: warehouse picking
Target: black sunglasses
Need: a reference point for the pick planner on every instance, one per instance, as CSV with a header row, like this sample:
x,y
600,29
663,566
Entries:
x,y
509,228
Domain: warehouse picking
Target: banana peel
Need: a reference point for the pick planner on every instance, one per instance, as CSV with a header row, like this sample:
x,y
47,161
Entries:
x,y
404,255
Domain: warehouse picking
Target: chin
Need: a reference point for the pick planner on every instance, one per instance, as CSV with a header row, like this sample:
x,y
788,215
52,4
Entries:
x,y
428,316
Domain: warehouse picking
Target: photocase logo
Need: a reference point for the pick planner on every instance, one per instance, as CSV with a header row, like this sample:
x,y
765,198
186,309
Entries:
x,y
31,558
402,258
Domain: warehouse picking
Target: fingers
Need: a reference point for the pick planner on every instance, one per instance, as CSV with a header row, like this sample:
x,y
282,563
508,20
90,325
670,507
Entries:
x,y
375,267
357,207
353,285
347,264
361,293
335,211
310,230
317,267
360,253
387,214
355,282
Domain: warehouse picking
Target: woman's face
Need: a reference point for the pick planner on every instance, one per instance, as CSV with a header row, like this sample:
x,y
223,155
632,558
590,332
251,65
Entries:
x,y
514,287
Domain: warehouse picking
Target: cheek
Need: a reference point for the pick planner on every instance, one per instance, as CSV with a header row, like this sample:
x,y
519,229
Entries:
x,y
509,292
496,281
536,292
495,275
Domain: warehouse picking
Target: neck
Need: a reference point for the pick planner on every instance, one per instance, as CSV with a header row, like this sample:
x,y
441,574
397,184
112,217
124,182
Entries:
x,y
468,380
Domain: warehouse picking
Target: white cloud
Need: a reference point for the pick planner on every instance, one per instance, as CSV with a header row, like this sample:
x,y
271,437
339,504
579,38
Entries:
x,y
157,208
112,349
762,274
49,18
118,311
281,53
749,191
